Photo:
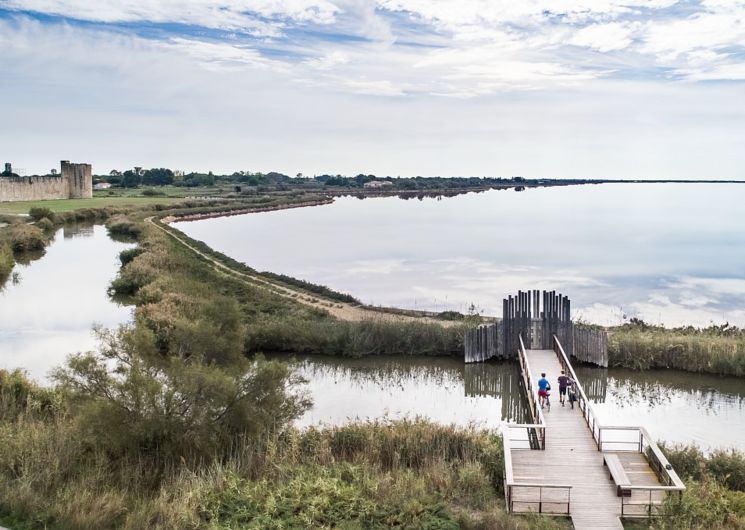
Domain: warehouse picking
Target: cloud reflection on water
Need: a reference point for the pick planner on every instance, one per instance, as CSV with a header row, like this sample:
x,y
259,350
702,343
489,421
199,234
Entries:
x,y
672,254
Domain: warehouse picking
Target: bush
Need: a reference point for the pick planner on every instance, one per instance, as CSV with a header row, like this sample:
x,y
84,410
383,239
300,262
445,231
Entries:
x,y
121,225
20,397
129,398
25,237
37,213
704,505
126,256
6,262
149,192
725,466
45,224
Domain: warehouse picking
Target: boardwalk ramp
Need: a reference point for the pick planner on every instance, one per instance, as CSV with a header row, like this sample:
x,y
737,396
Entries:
x,y
556,464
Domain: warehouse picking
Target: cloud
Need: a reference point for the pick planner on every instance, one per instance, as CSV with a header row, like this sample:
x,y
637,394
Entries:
x,y
223,14
403,86
613,36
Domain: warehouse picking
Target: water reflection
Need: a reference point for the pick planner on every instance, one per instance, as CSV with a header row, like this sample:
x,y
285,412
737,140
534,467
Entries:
x,y
674,406
441,389
49,310
665,253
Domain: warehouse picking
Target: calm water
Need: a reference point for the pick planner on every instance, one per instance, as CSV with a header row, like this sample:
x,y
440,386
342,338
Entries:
x,y
442,389
673,406
671,254
48,312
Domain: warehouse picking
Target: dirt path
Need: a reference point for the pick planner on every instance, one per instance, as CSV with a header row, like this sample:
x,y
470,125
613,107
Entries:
x,y
340,310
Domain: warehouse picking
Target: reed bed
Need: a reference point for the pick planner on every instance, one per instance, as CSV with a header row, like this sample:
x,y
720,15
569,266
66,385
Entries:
x,y
713,350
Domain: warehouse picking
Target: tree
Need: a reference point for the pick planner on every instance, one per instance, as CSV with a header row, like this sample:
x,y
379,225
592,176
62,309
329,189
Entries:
x,y
130,179
129,396
158,177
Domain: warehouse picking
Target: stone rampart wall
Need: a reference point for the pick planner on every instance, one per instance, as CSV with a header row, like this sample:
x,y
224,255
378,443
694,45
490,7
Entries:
x,y
33,188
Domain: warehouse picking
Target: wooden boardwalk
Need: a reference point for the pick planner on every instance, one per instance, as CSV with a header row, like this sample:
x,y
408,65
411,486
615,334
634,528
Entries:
x,y
569,476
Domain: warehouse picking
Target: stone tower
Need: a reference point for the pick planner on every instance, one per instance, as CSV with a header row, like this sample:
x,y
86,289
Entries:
x,y
79,179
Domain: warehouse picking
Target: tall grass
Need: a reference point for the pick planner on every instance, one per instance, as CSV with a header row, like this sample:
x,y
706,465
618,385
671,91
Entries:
x,y
409,474
6,261
712,350
353,339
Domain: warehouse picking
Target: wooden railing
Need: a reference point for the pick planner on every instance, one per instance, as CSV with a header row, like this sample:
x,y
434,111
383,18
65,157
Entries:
x,y
550,499
640,441
583,402
536,431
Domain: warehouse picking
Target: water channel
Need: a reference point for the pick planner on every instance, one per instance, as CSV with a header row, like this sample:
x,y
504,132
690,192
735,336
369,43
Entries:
x,y
52,301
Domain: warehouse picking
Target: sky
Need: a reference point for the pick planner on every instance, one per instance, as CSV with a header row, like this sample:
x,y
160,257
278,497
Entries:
x,y
536,88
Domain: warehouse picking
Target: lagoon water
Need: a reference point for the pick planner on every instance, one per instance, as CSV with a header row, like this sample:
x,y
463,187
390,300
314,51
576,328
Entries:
x,y
676,407
667,253
49,310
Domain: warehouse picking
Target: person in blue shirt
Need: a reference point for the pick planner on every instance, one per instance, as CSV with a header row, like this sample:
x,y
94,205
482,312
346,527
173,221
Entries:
x,y
543,387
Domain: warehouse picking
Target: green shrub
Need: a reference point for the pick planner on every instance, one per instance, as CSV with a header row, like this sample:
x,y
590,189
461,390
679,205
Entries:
x,y
704,505
150,192
45,224
37,213
20,397
24,237
126,256
6,261
123,226
725,466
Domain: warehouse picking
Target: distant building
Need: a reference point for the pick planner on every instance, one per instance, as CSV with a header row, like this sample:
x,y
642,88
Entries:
x,y
101,186
377,184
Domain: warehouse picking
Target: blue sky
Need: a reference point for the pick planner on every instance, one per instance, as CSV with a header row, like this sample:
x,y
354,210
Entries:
x,y
560,88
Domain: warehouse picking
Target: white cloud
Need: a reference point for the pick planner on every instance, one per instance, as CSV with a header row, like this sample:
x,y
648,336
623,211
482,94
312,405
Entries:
x,y
613,36
222,14
349,85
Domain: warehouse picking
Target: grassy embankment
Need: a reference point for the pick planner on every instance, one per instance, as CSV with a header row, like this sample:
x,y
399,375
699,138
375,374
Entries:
x,y
714,350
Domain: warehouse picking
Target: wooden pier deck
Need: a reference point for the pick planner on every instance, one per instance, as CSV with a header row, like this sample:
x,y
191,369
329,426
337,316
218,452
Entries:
x,y
564,471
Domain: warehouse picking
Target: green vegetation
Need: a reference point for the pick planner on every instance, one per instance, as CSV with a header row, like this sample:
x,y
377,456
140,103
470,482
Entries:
x,y
715,494
354,339
57,472
715,350
6,261
725,467
69,205
24,237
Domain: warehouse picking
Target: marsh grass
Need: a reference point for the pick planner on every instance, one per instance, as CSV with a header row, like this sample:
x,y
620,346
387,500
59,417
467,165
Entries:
x,y
713,350
408,474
